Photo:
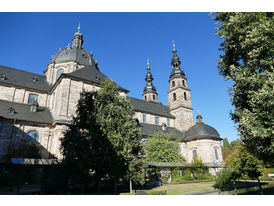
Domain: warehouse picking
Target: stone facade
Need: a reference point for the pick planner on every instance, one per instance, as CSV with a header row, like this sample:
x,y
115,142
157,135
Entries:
x,y
64,93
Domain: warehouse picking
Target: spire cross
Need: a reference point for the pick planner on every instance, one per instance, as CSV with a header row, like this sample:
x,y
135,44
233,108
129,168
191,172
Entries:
x,y
173,45
148,63
198,112
79,28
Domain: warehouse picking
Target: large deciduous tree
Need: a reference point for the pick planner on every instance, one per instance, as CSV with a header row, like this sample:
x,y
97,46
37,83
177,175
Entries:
x,y
160,148
247,60
103,137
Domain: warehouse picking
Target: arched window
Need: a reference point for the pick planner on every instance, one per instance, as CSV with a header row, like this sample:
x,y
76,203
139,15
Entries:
x,y
145,98
32,135
59,72
173,83
174,96
32,98
184,84
194,153
157,120
216,153
185,95
144,118
168,122
154,97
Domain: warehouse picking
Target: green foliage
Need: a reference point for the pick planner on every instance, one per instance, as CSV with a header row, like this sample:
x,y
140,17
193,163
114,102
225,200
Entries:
x,y
199,170
226,143
103,137
250,165
248,61
225,179
161,149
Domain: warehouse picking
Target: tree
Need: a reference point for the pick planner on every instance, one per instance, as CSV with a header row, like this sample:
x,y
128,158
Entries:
x,y
247,60
244,163
226,179
103,138
226,143
160,148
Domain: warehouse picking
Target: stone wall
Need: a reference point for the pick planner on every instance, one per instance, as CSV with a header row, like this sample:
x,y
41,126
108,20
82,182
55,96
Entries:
x,y
184,118
10,135
150,119
205,150
21,95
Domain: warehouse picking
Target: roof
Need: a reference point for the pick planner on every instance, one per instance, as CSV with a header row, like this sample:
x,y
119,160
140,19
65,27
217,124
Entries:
x,y
90,74
150,129
22,112
24,79
77,54
150,107
202,131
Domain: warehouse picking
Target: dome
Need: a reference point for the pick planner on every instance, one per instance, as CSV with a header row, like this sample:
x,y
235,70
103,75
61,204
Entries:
x,y
77,54
202,131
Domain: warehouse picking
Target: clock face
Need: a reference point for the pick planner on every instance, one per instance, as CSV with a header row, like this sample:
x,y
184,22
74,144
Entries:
x,y
32,135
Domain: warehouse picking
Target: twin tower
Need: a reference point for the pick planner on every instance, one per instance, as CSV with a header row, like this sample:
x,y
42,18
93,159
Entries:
x,y
179,101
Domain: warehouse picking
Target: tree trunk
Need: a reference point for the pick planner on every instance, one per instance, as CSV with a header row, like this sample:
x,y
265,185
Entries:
x,y
130,186
97,184
235,189
115,186
260,186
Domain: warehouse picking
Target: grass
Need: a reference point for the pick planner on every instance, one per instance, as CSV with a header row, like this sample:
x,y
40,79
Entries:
x,y
182,189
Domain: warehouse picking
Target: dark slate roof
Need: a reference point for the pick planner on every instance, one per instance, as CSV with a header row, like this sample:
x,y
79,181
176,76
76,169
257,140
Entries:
x,y
22,112
77,54
150,129
202,131
24,79
90,73
150,107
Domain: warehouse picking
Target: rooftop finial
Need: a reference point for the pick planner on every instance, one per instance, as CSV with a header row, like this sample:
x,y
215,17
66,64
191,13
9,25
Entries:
x,y
199,118
173,45
148,63
79,28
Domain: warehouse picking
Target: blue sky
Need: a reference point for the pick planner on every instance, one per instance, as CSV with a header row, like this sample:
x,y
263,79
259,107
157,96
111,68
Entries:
x,y
122,42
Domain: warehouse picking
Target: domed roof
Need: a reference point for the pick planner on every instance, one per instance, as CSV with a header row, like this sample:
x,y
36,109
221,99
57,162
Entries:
x,y
201,131
77,54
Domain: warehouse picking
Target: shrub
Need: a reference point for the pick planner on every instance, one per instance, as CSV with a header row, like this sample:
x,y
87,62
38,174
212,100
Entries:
x,y
225,179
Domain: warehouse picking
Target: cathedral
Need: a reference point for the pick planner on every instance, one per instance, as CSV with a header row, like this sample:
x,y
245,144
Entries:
x,y
39,108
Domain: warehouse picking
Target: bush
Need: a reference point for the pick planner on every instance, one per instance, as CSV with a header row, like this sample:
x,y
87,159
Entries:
x,y
225,179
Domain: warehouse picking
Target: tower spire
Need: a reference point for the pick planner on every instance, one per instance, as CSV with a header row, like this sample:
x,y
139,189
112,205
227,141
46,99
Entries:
x,y
77,39
149,93
175,62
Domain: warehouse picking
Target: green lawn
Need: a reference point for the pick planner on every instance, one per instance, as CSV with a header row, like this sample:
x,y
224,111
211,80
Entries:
x,y
182,189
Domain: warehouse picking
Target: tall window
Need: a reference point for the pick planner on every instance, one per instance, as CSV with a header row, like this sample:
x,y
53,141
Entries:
x,y
32,98
157,120
194,153
174,96
145,98
144,118
216,153
168,122
59,72
173,83
185,95
153,96
184,84
32,135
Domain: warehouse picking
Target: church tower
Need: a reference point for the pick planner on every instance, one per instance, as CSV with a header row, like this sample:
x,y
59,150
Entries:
x,y
179,101
150,93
